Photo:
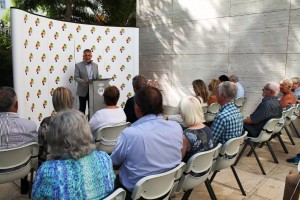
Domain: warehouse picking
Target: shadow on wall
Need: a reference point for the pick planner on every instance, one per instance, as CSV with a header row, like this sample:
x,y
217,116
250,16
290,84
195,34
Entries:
x,y
184,40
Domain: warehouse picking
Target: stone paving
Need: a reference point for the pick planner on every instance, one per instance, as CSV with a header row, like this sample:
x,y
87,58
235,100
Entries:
x,y
256,185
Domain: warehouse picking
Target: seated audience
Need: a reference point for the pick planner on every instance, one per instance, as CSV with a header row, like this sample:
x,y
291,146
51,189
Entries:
x,y
223,78
149,146
197,137
288,98
61,99
292,181
296,88
240,90
138,82
77,170
201,92
269,108
213,88
229,122
111,114
15,131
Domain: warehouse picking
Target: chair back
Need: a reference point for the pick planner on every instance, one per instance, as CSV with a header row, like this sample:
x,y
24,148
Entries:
x,y
204,109
106,137
18,162
288,117
157,186
280,124
212,112
119,194
228,153
267,131
239,102
197,169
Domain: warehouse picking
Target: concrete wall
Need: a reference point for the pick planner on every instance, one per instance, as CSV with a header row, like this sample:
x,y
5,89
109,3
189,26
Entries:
x,y
183,40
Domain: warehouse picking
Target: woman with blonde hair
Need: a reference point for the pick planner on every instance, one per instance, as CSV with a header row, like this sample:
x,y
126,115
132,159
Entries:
x,y
200,90
213,88
62,99
76,170
288,98
197,137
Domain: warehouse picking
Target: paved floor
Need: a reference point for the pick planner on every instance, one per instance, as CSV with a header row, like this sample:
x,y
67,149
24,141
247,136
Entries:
x,y
256,185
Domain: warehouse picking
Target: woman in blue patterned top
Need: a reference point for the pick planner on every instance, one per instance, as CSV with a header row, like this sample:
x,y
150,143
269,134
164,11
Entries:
x,y
77,170
197,137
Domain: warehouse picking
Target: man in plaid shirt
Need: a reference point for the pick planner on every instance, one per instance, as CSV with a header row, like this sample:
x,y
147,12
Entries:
x,y
229,121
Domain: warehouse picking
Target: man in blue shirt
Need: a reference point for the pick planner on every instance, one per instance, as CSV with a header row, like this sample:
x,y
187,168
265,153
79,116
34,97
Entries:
x,y
151,145
240,90
296,88
268,108
229,121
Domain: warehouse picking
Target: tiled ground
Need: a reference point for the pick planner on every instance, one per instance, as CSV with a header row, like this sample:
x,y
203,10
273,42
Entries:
x,y
256,185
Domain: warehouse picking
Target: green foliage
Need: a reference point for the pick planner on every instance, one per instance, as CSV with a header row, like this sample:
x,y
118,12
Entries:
x,y
6,71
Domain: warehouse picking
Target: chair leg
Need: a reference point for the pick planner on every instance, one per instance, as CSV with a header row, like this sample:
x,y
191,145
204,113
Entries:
x,y
30,184
272,152
250,152
210,190
213,176
289,135
241,153
187,194
257,159
295,129
282,143
238,180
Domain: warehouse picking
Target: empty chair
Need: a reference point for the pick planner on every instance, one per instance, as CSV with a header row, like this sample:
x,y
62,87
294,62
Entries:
x,y
294,117
264,136
157,186
288,121
277,131
239,102
196,172
18,162
106,137
227,157
119,194
212,112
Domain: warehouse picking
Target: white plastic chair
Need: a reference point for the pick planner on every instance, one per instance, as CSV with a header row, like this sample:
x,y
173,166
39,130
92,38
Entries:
x,y
277,131
106,137
212,112
288,121
227,157
157,186
239,102
294,117
16,163
264,136
119,194
196,172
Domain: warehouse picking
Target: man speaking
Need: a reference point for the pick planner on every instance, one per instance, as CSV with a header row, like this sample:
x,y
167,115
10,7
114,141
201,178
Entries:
x,y
84,72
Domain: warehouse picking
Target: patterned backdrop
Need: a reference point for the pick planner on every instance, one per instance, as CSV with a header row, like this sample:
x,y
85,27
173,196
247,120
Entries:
x,y
45,52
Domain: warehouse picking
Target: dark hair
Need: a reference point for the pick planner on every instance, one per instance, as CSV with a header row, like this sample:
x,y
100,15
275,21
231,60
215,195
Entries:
x,y
223,78
87,50
149,99
8,97
138,82
111,95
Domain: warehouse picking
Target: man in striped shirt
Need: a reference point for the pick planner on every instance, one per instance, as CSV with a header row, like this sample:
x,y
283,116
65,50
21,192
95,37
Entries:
x,y
268,108
14,131
229,121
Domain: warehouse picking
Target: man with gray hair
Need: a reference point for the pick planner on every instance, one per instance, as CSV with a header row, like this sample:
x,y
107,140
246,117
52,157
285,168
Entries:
x,y
296,88
138,82
229,121
14,131
268,108
240,90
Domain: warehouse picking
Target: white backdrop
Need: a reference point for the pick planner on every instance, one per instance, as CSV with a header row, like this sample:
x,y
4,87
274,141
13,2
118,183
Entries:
x,y
45,52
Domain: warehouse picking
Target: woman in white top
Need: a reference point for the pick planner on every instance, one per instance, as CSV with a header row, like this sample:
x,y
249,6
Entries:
x,y
111,114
